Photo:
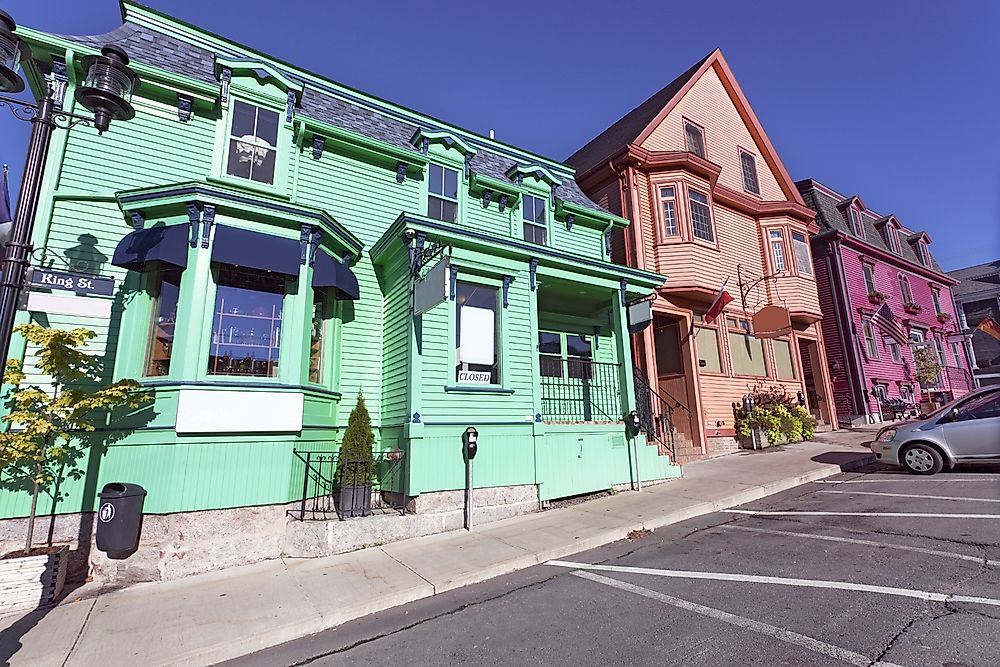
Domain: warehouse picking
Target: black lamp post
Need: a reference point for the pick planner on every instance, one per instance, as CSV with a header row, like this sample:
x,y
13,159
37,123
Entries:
x,y
106,91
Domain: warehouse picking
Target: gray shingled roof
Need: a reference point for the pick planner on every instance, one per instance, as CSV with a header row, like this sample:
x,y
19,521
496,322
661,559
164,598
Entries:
x,y
327,104
828,216
978,282
628,127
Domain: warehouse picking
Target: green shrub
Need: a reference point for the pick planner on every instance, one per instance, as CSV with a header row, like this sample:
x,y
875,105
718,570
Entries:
x,y
356,448
777,416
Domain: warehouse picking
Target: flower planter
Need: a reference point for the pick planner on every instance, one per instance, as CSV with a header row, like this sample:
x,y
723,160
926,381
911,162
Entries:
x,y
876,297
913,308
355,501
943,318
28,582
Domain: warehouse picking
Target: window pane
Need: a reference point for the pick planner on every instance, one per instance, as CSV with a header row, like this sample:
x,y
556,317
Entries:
x,y
784,369
695,139
441,209
748,355
666,193
262,167
450,183
477,334
708,351
871,346
161,340
267,126
550,354
549,343
870,278
803,262
578,346
669,219
749,173
777,250
244,119
701,220
317,336
937,300
246,324
435,179
534,233
240,155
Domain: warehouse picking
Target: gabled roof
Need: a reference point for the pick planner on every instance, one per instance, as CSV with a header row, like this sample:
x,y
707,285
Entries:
x,y
630,126
636,126
981,281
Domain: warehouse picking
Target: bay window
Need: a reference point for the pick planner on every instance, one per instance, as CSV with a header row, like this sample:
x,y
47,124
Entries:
x,y
701,216
166,289
253,143
477,334
246,322
800,246
668,203
777,249
317,336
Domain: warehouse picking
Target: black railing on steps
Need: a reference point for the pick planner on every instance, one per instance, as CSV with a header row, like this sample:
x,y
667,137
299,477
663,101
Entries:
x,y
656,412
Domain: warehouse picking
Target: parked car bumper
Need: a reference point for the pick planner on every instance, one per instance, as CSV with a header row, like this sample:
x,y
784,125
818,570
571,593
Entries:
x,y
885,452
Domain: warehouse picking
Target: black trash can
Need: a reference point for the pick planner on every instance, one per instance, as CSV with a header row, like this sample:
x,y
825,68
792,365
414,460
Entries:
x,y
119,517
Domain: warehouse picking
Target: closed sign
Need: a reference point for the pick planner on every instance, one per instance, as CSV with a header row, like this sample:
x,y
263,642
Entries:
x,y
474,377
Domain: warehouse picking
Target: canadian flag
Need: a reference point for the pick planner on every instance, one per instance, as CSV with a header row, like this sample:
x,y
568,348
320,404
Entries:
x,y
721,299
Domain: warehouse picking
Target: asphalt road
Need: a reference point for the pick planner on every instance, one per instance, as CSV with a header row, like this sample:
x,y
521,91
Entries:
x,y
867,568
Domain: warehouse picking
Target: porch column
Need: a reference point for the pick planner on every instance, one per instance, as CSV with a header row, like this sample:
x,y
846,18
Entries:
x,y
627,388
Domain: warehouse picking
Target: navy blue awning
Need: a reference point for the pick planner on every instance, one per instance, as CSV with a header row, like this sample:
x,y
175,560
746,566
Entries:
x,y
254,250
331,274
156,244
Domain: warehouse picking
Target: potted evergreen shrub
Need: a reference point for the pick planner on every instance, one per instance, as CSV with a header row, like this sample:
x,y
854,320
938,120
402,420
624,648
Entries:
x,y
41,445
355,464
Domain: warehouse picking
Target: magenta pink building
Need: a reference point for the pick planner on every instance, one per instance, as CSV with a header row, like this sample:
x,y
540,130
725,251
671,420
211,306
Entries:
x,y
865,260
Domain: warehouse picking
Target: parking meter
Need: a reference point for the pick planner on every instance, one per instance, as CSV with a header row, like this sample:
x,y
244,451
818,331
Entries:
x,y
469,440
748,404
634,427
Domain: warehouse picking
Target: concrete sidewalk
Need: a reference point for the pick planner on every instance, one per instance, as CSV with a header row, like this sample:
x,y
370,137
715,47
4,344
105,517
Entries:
x,y
222,615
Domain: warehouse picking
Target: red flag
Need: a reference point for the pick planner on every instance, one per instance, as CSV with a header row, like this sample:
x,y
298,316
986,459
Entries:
x,y
721,299
990,327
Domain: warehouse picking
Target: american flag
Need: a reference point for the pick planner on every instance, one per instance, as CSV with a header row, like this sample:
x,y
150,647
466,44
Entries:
x,y
886,321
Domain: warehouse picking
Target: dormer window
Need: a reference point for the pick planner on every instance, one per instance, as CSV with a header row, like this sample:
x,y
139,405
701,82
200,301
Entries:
x,y
892,236
854,218
535,226
253,142
694,138
749,164
442,193
921,253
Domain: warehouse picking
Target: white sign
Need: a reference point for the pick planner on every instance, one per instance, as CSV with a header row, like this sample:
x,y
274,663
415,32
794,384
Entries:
x,y
225,411
432,289
474,377
478,336
55,304
107,512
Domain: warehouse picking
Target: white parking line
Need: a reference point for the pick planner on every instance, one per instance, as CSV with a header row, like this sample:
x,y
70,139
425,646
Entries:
x,y
914,515
907,478
867,543
914,495
782,581
781,634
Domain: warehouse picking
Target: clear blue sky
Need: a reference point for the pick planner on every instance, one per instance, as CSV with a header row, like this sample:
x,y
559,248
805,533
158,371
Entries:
x,y
898,101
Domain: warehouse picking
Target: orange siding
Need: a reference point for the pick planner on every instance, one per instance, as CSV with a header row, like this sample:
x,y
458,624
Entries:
x,y
708,104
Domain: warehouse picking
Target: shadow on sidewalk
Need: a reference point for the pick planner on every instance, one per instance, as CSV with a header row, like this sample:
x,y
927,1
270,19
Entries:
x,y
846,460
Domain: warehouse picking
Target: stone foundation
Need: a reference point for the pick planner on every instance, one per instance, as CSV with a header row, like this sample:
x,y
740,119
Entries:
x,y
173,546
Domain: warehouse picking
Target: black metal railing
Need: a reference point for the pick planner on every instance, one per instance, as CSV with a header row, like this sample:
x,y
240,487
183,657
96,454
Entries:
x,y
580,390
655,408
351,487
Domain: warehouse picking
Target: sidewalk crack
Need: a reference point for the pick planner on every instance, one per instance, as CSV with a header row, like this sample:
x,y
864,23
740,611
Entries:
x,y
415,573
83,626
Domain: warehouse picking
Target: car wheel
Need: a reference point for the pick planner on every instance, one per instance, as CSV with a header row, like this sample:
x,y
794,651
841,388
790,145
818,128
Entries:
x,y
921,459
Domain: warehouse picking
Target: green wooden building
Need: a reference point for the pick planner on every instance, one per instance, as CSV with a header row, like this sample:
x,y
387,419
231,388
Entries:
x,y
281,242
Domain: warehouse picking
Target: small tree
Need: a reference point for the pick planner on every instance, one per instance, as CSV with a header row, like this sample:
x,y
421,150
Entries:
x,y
42,426
926,367
356,448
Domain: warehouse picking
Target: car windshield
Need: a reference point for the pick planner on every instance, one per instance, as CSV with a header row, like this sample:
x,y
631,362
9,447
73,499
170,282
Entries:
x,y
962,402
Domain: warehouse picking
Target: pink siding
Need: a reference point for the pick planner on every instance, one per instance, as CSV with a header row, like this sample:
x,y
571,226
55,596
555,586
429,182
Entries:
x,y
883,369
835,356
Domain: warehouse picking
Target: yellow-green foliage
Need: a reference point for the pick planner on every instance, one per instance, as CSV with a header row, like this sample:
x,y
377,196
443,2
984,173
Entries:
x,y
42,426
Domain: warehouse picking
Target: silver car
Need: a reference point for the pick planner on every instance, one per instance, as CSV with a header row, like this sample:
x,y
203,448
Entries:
x,y
964,431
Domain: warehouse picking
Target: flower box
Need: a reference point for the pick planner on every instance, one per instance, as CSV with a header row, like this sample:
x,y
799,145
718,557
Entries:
x,y
28,582
943,317
877,297
913,308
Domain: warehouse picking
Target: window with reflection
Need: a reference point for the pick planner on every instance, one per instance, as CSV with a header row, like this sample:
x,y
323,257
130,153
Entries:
x,y
579,357
246,322
550,354
166,289
668,200
442,193
253,143
533,213
317,335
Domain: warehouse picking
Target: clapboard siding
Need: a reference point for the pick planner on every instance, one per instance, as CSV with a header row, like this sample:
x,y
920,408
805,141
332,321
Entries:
x,y
708,104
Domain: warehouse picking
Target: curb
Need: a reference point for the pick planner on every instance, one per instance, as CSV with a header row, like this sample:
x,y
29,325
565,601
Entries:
x,y
243,646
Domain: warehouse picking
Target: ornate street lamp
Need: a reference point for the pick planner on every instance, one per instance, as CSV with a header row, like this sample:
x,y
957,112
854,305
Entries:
x,y
106,91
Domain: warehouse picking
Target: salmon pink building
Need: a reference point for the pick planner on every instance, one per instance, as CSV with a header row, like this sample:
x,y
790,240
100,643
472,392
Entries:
x,y
884,298
711,204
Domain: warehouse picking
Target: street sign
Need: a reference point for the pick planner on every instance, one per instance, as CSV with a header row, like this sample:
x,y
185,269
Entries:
x,y
71,282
